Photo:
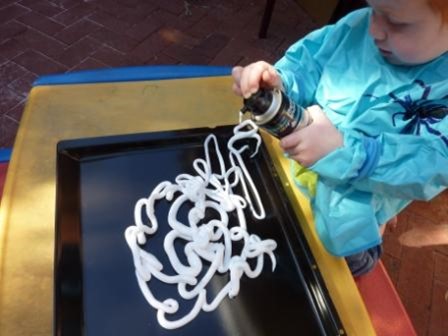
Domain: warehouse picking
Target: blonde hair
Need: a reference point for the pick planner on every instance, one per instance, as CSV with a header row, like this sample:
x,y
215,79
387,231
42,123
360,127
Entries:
x,y
440,6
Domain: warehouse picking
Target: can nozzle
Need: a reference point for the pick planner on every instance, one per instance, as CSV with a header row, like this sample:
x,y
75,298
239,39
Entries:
x,y
258,103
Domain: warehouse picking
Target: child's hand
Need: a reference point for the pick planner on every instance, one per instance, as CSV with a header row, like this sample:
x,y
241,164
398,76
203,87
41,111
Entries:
x,y
313,142
248,79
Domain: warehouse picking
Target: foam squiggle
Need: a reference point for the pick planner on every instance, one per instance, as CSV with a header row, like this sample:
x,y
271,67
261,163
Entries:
x,y
210,241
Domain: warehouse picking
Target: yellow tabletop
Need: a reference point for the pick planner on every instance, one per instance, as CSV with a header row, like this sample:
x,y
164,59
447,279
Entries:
x,y
27,212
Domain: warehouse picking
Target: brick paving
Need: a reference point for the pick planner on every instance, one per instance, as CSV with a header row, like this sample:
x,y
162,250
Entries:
x,y
39,37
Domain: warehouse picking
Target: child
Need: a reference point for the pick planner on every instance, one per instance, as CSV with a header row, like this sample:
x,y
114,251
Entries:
x,y
377,84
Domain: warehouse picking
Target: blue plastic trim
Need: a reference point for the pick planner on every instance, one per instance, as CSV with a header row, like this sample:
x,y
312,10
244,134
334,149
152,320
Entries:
x,y
137,73
5,154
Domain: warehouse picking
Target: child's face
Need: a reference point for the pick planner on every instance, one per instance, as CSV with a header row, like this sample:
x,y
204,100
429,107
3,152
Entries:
x,y
407,31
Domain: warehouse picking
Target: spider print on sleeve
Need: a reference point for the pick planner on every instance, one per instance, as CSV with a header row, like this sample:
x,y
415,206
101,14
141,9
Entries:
x,y
423,112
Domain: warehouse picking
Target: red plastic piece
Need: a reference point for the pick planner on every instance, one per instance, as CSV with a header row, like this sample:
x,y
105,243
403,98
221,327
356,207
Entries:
x,y
387,313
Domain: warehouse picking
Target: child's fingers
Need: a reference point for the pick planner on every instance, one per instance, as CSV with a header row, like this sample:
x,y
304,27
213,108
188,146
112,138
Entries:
x,y
251,77
291,142
236,74
236,89
270,77
294,151
266,77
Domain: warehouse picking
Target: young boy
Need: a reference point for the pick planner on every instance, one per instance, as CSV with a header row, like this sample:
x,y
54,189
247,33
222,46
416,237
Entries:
x,y
376,85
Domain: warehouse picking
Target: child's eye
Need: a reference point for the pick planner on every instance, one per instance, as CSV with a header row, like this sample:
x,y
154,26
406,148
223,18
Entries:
x,y
398,25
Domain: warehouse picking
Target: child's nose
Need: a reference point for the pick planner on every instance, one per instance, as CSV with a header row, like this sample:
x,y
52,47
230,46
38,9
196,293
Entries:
x,y
377,27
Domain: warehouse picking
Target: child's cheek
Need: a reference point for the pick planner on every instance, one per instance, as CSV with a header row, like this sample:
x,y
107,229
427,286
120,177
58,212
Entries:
x,y
406,52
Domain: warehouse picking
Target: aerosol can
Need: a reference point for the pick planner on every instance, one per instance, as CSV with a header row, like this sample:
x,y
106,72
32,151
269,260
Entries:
x,y
272,110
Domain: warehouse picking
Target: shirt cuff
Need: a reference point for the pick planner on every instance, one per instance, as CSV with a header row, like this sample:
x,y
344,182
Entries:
x,y
292,84
355,160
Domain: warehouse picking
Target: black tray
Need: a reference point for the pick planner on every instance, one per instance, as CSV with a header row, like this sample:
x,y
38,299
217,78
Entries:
x,y
96,292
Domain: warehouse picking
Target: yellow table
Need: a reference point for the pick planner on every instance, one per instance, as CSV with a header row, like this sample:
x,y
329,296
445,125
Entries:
x,y
56,112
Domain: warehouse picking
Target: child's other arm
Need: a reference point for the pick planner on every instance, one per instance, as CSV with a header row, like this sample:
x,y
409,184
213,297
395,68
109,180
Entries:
x,y
310,144
401,165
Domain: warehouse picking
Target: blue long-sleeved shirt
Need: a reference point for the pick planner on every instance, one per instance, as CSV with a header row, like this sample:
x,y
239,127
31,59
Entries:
x,y
395,125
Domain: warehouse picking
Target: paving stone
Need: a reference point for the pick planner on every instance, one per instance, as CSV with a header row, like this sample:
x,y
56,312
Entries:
x,y
41,22
174,6
109,21
174,36
212,44
38,63
438,325
11,29
143,29
135,15
415,285
11,12
12,48
117,41
9,99
3,60
35,40
9,72
181,23
78,51
441,268
64,4
206,26
6,3
46,8
185,55
23,84
113,58
434,209
89,64
129,3
16,112
70,16
442,249
150,47
161,59
77,31
113,8
390,238
8,128
192,14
